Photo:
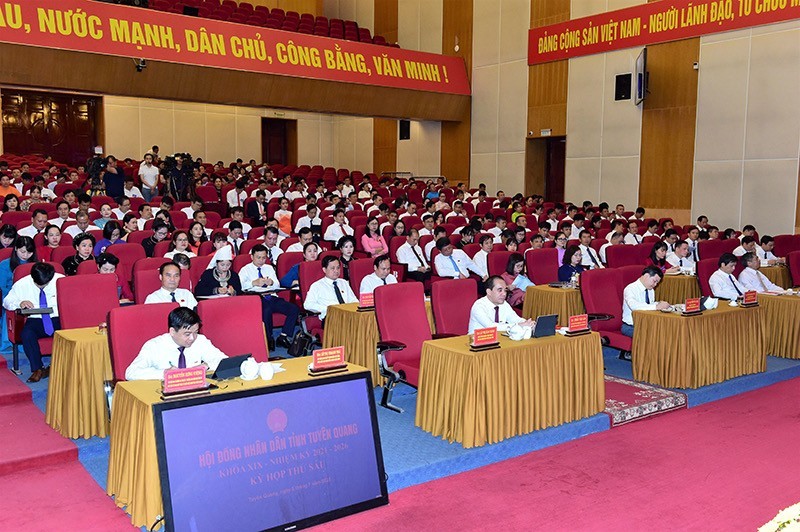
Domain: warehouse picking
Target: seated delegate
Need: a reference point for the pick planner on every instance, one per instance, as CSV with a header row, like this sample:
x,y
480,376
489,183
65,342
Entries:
x,y
571,264
493,310
640,295
722,282
752,279
170,275
381,276
219,279
330,290
182,346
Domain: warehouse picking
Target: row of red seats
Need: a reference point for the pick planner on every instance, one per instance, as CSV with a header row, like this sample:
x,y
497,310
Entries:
x,y
246,13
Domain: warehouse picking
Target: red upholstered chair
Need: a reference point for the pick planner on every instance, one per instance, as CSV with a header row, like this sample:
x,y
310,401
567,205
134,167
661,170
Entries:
x,y
359,269
198,266
496,261
602,296
240,261
127,254
542,265
793,261
73,308
243,314
452,302
785,244
61,253
137,237
147,281
403,327
624,255
711,249
16,322
162,248
310,272
705,268
148,263
630,274
87,267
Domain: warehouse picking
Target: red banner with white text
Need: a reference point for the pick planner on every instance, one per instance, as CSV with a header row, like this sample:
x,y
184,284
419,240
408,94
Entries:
x,y
95,27
652,23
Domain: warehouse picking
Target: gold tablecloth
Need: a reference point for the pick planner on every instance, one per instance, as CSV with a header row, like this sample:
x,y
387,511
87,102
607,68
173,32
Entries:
x,y
782,319
358,333
76,400
676,289
133,477
486,397
778,275
543,300
675,351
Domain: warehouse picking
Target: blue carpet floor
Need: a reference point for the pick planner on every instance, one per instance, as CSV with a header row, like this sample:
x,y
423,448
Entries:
x,y
413,456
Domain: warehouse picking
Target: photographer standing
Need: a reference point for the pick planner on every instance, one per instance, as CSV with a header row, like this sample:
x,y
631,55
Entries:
x,y
177,177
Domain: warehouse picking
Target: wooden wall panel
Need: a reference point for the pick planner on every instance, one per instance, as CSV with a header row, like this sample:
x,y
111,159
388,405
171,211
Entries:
x,y
384,131
456,135
116,75
668,126
314,7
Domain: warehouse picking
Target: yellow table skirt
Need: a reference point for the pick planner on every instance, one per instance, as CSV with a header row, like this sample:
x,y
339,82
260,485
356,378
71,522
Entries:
x,y
543,300
676,289
675,351
76,400
486,397
133,477
778,275
782,318
358,333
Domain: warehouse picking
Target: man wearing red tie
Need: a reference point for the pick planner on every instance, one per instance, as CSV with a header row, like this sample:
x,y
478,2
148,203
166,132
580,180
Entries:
x,y
182,347
257,210
338,228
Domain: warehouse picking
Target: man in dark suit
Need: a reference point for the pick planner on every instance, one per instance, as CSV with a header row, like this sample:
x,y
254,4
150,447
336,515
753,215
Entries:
x,y
257,210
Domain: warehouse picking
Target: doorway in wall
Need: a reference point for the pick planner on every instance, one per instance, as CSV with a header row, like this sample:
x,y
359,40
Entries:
x,y
545,159
61,125
278,141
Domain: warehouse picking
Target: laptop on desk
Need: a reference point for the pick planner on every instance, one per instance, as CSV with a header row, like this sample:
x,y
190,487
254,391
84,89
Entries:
x,y
545,326
229,368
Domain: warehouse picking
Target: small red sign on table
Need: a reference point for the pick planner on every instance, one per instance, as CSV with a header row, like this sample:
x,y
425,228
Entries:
x,y
578,322
177,380
366,300
328,359
483,337
750,298
692,305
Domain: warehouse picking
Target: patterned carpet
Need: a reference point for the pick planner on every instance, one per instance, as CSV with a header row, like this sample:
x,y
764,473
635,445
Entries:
x,y
628,401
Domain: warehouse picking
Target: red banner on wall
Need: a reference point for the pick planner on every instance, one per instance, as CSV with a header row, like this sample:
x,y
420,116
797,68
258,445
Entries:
x,y
652,23
94,27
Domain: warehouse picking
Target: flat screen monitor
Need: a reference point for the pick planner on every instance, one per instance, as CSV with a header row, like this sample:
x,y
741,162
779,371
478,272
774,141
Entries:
x,y
273,458
641,77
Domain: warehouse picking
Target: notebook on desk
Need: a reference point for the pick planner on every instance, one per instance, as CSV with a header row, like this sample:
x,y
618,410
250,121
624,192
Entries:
x,y
545,326
229,368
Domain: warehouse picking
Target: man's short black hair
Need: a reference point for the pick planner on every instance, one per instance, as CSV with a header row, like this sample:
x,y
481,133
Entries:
x,y
379,259
38,211
42,273
490,282
302,232
167,265
748,240
327,260
169,201
182,317
442,243
652,271
258,247
748,228
727,258
84,198
766,239
234,224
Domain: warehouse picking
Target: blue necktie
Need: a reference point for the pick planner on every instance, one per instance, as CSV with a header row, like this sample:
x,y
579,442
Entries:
x,y
647,296
734,284
455,266
172,295
47,321
260,276
181,358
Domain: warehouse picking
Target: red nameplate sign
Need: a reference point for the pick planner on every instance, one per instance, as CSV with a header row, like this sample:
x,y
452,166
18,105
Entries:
x,y
330,358
485,336
579,322
366,300
692,305
184,379
750,298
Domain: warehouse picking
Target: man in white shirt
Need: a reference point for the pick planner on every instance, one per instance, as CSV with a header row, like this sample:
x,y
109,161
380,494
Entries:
x,y
752,279
617,226
148,173
305,236
638,214
438,233
271,240
412,256
145,213
652,229
170,275
458,210
82,225
130,190
196,205
633,238
748,246
492,310
640,295
764,251
722,282
338,228
311,220
577,226
500,225
616,240
260,278
692,240
237,215
589,256
62,209
670,239
235,236
619,212
236,196
454,263
330,290
37,290
680,257
380,277
481,257
747,230
124,207
181,347
427,225
38,224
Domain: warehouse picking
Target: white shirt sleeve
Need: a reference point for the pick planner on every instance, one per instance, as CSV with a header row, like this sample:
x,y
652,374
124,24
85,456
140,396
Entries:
x,y
634,299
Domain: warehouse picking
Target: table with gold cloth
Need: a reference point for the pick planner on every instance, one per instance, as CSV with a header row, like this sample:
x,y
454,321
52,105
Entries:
x,y
782,321
488,396
358,333
76,399
677,351
543,300
133,477
778,275
676,289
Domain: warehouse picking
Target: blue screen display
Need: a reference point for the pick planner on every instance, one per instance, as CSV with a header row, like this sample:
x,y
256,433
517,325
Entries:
x,y
257,462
